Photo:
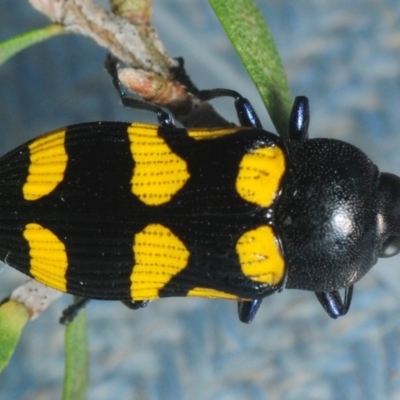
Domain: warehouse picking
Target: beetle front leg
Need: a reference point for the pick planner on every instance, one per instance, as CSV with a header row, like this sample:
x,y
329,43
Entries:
x,y
299,119
247,309
333,304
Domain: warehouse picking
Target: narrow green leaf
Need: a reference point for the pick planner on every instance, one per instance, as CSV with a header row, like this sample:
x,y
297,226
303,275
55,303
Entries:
x,y
76,359
13,317
252,39
10,47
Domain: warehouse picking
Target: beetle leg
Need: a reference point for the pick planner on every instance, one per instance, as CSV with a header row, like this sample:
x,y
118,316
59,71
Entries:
x,y
179,74
245,111
71,312
247,309
299,119
333,304
164,119
135,305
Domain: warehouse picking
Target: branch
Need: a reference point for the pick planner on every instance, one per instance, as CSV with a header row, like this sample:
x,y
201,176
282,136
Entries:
x,y
150,71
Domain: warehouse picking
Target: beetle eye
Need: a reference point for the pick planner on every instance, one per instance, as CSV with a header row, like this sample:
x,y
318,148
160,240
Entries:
x,y
389,189
390,247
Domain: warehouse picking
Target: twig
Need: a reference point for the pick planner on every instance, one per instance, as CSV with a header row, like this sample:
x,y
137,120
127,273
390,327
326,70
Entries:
x,y
150,72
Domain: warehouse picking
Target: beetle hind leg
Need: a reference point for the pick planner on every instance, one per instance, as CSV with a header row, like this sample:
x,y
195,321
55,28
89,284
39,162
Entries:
x,y
71,312
245,111
135,305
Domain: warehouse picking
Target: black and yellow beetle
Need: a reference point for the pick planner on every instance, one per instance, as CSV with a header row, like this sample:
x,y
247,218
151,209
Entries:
x,y
134,212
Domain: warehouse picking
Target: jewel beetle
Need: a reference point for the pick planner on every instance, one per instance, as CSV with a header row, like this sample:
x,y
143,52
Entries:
x,y
135,212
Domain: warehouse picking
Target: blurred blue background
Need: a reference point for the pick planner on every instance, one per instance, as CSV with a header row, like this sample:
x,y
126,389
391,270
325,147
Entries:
x,y
345,56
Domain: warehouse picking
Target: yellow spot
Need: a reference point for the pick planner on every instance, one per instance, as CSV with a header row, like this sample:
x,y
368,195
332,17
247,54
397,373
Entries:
x,y
212,133
48,258
48,161
260,174
211,293
159,256
158,173
260,256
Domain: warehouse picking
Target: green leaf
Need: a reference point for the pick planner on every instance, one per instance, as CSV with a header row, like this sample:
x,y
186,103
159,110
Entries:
x,y
13,317
10,47
252,39
76,359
